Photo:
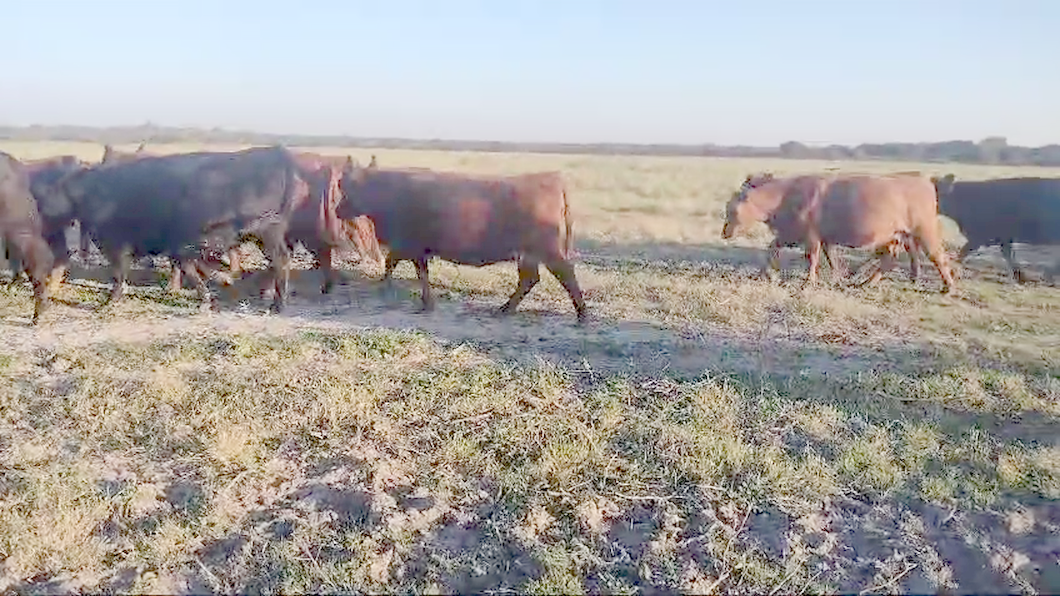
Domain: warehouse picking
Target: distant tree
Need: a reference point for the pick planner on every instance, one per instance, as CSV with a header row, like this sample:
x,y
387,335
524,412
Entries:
x,y
991,149
794,149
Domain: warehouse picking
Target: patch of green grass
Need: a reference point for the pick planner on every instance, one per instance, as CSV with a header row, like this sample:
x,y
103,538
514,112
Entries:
x,y
179,447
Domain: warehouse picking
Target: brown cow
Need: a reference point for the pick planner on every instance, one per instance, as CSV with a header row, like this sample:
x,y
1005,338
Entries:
x,y
21,225
318,227
835,260
880,213
42,172
468,220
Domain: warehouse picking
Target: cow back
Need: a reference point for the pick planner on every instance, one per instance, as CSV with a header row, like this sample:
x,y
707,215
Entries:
x,y
472,220
18,210
1008,209
866,210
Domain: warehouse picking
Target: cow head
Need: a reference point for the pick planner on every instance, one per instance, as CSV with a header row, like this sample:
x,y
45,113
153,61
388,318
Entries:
x,y
353,175
943,185
112,155
59,190
741,209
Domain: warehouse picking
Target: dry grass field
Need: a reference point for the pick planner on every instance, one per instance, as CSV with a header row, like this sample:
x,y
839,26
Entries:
x,y
707,431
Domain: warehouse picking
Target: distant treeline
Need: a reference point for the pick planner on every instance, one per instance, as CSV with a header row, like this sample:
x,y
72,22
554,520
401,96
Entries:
x,y
993,150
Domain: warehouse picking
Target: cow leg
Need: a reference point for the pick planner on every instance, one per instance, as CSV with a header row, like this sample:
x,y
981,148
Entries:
x,y
57,275
279,253
564,273
883,260
120,260
175,281
14,260
913,248
326,267
233,262
835,262
425,283
60,261
813,255
392,261
1009,253
772,264
934,248
961,256
39,261
529,275
195,273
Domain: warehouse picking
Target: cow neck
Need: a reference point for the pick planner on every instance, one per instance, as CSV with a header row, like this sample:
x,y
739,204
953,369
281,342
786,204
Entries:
x,y
766,199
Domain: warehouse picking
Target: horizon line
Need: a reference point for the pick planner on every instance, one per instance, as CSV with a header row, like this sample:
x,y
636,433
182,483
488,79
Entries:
x,y
224,130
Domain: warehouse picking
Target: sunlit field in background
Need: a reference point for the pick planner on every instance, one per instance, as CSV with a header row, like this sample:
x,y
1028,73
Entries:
x,y
707,431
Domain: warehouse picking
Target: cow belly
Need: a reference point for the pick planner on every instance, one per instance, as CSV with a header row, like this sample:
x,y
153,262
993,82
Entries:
x,y
477,259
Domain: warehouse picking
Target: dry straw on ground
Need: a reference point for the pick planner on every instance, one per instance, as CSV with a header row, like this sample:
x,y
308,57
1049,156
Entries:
x,y
707,432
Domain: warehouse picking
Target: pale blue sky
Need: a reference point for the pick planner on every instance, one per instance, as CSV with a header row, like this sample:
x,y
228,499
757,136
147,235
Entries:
x,y
733,71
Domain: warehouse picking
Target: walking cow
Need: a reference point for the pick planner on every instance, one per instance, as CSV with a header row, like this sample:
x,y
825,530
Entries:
x,y
174,204
879,213
468,220
1003,211
20,224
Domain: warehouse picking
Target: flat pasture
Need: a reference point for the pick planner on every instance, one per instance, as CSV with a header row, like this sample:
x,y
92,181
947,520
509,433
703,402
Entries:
x,y
706,431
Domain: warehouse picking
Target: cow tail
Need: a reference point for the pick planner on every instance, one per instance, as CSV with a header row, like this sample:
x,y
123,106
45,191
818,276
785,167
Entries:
x,y
568,241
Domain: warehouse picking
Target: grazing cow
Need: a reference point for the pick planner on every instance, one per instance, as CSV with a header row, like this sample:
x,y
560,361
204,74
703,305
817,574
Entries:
x,y
174,204
880,213
468,220
20,224
1003,211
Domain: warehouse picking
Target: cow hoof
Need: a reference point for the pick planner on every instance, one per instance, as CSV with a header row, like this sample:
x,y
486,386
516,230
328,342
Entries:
x,y
504,311
327,287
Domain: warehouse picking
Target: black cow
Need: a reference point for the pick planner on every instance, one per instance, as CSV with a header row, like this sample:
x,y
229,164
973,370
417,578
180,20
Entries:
x,y
20,224
1002,211
175,204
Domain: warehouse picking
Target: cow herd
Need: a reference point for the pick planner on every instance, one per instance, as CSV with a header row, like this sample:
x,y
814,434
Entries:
x,y
889,213
198,208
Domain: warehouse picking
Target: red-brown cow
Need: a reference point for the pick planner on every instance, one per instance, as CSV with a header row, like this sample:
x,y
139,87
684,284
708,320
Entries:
x,y
20,224
319,228
880,213
468,220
